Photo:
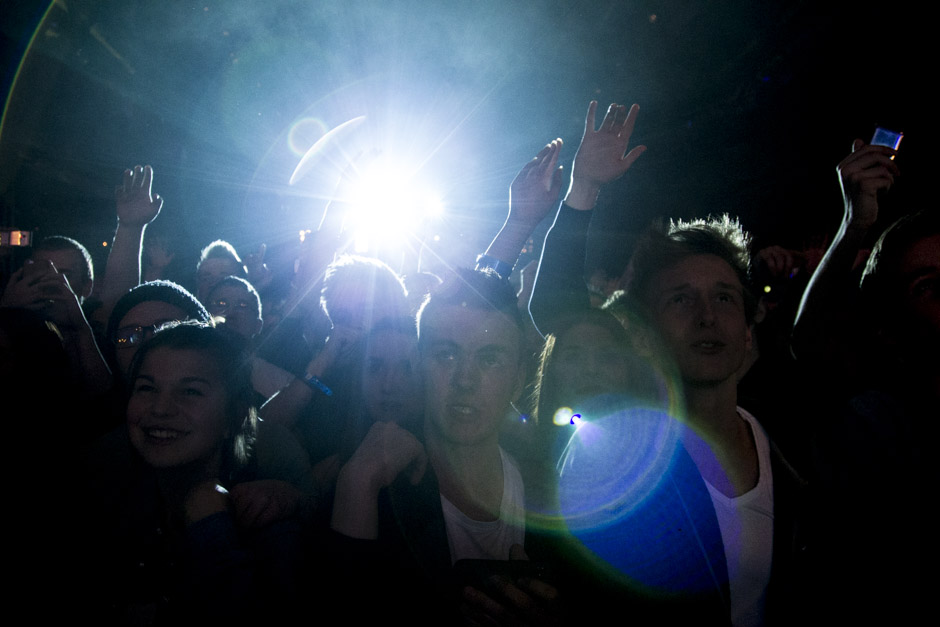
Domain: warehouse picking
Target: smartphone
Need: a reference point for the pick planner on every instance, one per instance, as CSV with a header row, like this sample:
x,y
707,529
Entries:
x,y
478,573
885,137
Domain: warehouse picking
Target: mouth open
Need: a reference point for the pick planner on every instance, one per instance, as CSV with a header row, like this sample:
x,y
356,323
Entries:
x,y
708,346
162,435
462,410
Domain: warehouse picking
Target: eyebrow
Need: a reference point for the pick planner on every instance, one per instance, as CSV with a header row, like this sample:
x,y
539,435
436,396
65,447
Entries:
x,y
195,380
678,288
150,378
720,284
498,348
918,273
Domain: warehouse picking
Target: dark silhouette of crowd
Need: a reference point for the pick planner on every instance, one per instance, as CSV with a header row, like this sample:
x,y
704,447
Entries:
x,y
670,443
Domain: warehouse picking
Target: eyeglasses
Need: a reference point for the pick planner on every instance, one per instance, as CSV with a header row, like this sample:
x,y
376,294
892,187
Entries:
x,y
128,337
221,305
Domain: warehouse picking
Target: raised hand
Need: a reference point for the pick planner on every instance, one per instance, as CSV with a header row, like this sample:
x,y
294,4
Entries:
x,y
340,346
532,196
136,205
779,262
158,253
259,275
865,172
602,156
534,191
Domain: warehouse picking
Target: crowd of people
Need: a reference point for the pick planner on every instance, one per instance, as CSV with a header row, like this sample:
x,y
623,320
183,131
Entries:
x,y
671,446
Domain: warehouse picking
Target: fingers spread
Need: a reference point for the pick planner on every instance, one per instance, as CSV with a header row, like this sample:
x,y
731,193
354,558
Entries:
x,y
632,156
628,122
610,117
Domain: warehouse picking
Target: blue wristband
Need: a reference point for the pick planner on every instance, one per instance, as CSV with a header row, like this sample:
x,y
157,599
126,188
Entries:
x,y
502,268
314,382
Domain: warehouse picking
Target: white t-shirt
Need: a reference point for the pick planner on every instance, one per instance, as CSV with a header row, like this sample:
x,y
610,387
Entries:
x,y
747,532
492,539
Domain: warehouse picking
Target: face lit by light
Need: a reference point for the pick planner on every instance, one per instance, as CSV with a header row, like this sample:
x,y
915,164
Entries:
x,y
472,373
176,415
698,309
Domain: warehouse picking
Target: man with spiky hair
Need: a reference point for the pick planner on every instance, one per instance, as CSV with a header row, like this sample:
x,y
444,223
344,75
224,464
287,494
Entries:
x,y
691,283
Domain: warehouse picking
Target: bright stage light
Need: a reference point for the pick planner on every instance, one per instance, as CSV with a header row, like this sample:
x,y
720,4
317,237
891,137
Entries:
x,y
388,206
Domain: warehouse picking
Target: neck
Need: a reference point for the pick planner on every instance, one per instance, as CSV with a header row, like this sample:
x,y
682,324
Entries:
x,y
720,441
470,476
712,409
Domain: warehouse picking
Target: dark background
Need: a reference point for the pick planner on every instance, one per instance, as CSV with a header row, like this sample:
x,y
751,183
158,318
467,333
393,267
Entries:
x,y
746,108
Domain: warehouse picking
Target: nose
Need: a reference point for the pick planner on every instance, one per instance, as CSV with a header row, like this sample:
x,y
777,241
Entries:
x,y
706,313
163,404
466,375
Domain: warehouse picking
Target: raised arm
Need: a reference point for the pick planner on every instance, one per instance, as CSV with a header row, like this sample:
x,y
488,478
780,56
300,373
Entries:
x,y
532,195
865,172
602,158
137,207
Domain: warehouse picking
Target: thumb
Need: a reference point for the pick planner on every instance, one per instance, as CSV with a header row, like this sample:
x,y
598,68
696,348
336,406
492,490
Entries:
x,y
632,156
857,144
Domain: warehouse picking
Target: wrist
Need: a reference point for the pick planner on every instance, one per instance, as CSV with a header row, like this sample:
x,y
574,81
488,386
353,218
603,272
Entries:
x,y
131,225
487,261
582,195
316,385
854,224
318,365
516,224
356,478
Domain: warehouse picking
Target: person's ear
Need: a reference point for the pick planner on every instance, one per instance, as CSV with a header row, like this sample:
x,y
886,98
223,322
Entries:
x,y
88,289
